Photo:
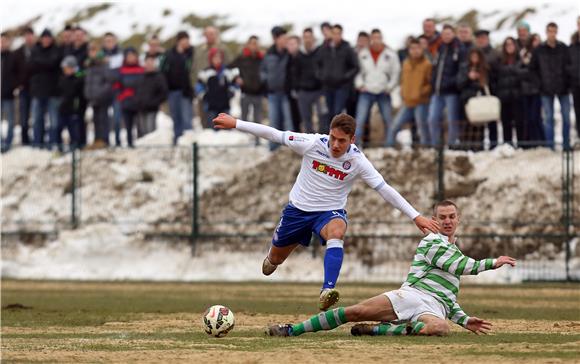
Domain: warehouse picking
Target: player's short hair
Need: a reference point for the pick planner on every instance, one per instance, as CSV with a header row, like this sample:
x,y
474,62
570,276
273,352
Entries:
x,y
444,203
344,122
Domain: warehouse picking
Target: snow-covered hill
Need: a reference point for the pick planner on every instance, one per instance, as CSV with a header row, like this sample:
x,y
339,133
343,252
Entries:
x,y
397,20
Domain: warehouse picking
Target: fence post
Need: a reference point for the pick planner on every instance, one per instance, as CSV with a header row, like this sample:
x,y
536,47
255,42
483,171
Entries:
x,y
567,197
195,198
73,216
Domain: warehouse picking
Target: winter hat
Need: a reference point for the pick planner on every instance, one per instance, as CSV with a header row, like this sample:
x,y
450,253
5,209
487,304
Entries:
x,y
212,52
69,61
46,33
523,24
130,50
277,31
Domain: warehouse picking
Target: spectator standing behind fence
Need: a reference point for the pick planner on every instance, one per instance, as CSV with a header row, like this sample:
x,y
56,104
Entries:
x,y
129,78
71,110
338,66
248,63
508,87
575,75
114,58
492,56
45,69
212,40
550,62
415,92
274,72
308,84
23,59
444,86
432,36
473,79
293,48
8,82
150,94
98,90
65,38
326,30
523,29
532,102
377,78
215,84
176,66
465,36
154,50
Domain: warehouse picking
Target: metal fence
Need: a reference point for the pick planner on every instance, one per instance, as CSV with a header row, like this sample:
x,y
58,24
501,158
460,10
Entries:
x,y
208,217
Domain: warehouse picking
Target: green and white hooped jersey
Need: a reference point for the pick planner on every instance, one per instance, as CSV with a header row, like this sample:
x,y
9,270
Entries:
x,y
436,270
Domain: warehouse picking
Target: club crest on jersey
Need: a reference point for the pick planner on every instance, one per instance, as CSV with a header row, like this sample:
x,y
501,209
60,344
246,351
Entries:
x,y
326,169
346,165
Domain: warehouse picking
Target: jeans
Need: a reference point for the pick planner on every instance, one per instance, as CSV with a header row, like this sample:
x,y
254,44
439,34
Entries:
x,y
450,102
533,120
306,101
255,101
73,125
548,108
24,102
336,101
40,107
181,110
363,107
146,123
8,111
102,123
117,119
279,113
406,114
129,118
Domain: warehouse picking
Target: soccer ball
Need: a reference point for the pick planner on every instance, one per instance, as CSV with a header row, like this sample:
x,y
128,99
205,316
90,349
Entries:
x,y
218,320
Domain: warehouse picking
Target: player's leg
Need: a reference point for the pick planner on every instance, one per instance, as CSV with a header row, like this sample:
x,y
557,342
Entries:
x,y
333,233
294,228
276,256
377,308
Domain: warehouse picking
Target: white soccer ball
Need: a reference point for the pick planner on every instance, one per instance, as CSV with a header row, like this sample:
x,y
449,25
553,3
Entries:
x,y
218,320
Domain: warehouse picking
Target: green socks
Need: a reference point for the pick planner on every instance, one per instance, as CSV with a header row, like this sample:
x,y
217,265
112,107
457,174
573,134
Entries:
x,y
412,328
323,321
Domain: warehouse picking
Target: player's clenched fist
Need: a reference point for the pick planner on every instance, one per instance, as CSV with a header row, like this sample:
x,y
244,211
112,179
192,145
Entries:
x,y
224,121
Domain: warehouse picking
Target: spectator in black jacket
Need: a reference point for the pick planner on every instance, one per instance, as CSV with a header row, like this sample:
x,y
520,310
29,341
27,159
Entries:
x,y
114,58
444,85
176,65
150,94
274,72
45,72
65,38
482,42
308,84
326,30
23,57
293,48
71,108
575,75
532,102
248,63
98,90
465,36
8,81
79,48
550,62
473,79
154,49
508,88
215,83
337,70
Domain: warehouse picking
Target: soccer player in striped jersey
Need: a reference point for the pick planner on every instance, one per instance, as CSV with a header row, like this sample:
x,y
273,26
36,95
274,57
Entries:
x,y
330,166
424,301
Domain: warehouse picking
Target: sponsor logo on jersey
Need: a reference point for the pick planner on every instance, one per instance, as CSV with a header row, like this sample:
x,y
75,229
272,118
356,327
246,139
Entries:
x,y
322,154
331,171
296,138
346,165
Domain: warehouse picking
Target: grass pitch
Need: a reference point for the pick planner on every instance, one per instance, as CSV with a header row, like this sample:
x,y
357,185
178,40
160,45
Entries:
x,y
161,322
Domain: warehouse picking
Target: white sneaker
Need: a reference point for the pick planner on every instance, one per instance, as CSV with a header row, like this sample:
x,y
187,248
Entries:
x,y
267,267
328,297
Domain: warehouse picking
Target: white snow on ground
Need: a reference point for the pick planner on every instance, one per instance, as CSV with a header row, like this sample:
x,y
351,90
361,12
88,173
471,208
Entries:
x,y
257,17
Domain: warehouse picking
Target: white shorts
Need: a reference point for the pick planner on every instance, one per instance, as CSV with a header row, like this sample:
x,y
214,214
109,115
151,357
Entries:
x,y
409,304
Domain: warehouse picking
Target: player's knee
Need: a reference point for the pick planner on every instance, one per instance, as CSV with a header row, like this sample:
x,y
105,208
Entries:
x,y
335,232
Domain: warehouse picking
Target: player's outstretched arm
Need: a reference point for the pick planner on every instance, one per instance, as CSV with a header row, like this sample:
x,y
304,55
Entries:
x,y
226,121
